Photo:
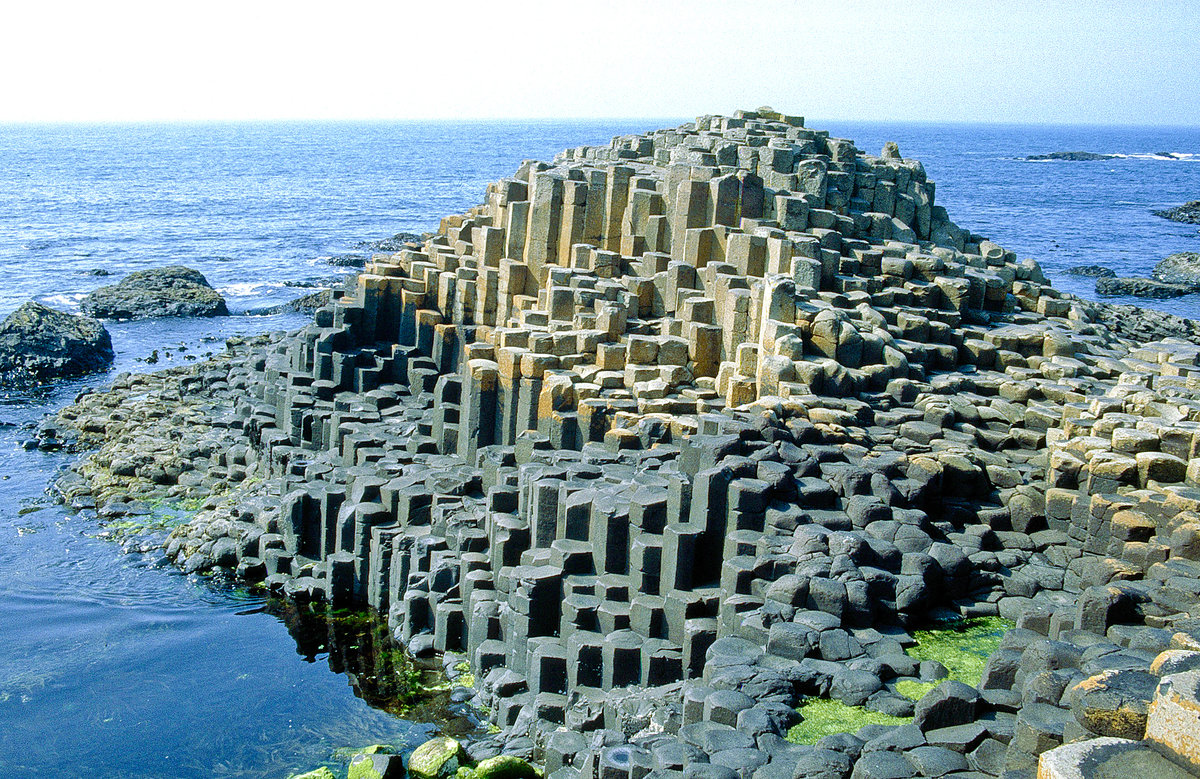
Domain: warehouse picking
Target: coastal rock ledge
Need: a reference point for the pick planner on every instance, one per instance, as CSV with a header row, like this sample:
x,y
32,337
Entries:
x,y
38,343
171,291
678,442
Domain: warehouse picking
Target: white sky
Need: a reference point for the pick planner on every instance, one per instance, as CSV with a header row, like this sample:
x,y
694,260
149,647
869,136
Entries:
x,y
968,60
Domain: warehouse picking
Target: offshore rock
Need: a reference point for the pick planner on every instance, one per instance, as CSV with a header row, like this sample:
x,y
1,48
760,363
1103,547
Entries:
x,y
1072,156
38,343
1180,268
1188,213
1091,271
171,291
1141,288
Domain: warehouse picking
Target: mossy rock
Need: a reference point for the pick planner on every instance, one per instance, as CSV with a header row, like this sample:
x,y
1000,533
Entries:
x,y
438,758
505,767
376,767
320,773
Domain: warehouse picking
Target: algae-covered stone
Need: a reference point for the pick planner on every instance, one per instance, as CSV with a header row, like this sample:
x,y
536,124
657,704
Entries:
x,y
505,767
438,758
320,773
376,766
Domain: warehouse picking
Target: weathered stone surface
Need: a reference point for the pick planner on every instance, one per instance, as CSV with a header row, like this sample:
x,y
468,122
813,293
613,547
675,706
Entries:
x,y
39,343
170,291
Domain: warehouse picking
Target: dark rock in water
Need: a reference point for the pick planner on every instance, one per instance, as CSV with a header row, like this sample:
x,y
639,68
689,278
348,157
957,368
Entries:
x,y
1181,268
1142,288
96,272
303,305
170,291
38,343
1188,213
1140,324
1072,156
347,260
1091,271
1167,154
393,244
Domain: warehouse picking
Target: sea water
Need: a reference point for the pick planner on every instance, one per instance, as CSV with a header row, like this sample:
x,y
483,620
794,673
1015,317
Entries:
x,y
115,665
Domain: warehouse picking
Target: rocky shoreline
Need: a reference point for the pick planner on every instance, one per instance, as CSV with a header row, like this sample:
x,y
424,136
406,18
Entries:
x,y
673,436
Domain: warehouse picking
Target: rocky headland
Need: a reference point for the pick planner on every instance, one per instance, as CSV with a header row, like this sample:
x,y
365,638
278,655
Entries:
x,y
679,444
158,292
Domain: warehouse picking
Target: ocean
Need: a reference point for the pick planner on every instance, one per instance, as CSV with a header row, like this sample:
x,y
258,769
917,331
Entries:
x,y
115,665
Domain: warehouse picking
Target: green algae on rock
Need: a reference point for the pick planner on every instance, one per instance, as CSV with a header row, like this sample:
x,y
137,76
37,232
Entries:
x,y
823,717
505,767
438,758
319,773
963,647
376,766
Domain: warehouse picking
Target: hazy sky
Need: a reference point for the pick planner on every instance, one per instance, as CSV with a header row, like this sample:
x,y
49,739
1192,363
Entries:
x,y
1050,61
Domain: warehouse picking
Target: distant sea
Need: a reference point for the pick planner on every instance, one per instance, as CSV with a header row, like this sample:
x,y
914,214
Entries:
x,y
113,665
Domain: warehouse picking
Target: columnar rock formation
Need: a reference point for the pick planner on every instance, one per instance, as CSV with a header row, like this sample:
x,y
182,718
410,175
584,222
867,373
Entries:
x,y
669,434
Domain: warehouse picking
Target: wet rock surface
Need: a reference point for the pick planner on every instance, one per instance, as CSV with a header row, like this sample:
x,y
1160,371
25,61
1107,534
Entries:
x,y
1181,268
171,291
38,343
1188,213
1142,288
672,436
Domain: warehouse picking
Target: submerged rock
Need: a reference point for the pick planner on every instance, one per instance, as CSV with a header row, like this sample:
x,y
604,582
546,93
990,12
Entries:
x,y
1142,288
1181,268
1188,213
1072,156
172,291
38,343
1091,271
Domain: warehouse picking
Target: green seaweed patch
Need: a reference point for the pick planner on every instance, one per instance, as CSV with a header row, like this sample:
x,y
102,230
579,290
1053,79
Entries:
x,y
963,646
914,690
824,717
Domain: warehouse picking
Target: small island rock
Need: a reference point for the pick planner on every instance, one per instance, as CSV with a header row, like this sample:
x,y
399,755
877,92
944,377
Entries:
x,y
39,343
171,291
1072,156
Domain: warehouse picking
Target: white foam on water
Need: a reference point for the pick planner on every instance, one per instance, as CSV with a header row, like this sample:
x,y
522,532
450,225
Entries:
x,y
247,289
67,300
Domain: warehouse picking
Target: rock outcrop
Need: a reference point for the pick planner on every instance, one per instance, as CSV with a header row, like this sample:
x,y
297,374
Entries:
x,y
158,292
1141,287
38,343
1181,268
1091,271
670,435
1188,213
1072,156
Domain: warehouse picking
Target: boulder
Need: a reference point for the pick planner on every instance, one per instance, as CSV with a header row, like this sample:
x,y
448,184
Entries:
x,y
1188,213
1180,268
39,343
438,758
1141,288
171,291
505,767
376,766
